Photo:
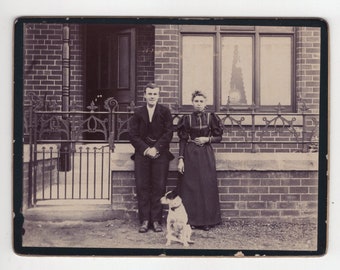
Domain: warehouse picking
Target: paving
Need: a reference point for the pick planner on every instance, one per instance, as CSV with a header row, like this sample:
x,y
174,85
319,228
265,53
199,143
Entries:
x,y
97,227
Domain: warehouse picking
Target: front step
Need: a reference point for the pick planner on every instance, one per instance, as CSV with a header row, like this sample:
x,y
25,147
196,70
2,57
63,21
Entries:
x,y
57,211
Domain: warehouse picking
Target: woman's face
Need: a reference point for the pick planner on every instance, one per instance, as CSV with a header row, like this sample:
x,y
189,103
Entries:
x,y
199,103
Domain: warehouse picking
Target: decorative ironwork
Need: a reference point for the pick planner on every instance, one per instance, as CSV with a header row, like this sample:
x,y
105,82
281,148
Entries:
x,y
111,104
92,107
92,124
280,123
53,125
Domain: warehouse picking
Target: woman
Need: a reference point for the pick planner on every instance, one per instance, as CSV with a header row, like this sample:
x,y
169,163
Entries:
x,y
197,165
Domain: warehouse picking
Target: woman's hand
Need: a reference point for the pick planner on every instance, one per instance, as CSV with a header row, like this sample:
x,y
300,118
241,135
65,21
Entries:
x,y
180,166
201,140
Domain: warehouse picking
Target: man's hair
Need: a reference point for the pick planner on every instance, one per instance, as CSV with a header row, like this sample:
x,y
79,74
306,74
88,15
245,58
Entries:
x,y
152,86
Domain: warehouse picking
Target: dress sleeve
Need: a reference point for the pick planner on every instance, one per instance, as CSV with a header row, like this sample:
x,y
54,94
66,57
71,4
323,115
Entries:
x,y
183,131
216,128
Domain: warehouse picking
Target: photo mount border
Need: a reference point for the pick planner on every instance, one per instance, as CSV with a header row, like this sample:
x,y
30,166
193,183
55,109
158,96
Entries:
x,y
18,219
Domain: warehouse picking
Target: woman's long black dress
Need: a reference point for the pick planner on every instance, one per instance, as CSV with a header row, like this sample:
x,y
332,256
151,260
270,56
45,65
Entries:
x,y
198,185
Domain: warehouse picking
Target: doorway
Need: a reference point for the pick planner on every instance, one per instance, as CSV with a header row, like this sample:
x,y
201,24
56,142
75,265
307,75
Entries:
x,y
110,64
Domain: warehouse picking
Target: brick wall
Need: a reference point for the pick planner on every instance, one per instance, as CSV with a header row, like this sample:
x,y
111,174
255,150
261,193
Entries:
x,y
308,67
264,186
288,196
167,62
145,66
43,62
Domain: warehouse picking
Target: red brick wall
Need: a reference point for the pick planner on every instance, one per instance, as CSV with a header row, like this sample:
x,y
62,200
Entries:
x,y
43,62
167,62
267,195
145,66
308,67
287,195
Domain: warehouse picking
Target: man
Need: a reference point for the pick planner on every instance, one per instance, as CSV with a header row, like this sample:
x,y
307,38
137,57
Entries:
x,y
151,131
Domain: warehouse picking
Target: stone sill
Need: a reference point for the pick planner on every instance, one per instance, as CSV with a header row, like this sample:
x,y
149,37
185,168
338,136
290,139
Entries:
x,y
120,161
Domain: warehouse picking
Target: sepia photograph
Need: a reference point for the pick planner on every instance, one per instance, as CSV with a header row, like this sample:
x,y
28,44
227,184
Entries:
x,y
170,136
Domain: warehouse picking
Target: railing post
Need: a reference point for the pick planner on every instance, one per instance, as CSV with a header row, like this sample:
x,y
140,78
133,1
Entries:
x,y
253,107
35,158
304,109
65,164
111,104
30,164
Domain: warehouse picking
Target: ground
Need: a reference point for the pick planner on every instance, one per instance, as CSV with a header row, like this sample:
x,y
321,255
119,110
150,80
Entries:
x,y
123,233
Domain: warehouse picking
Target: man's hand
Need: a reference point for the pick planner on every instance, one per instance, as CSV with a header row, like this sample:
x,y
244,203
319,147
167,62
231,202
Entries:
x,y
152,153
180,166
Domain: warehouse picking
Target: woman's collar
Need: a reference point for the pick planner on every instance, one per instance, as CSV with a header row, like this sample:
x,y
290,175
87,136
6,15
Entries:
x,y
199,113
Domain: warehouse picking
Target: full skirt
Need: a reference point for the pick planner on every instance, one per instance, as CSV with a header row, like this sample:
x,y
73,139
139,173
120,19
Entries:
x,y
198,185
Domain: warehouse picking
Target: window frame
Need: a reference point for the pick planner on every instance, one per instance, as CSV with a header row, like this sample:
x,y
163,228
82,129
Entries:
x,y
256,32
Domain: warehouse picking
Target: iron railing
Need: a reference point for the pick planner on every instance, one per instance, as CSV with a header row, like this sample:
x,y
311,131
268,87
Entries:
x,y
111,126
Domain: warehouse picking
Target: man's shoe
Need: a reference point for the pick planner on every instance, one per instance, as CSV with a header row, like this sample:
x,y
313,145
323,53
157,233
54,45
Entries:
x,y
157,227
144,227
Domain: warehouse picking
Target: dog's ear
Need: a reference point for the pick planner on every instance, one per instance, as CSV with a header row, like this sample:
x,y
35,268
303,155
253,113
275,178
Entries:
x,y
175,192
172,195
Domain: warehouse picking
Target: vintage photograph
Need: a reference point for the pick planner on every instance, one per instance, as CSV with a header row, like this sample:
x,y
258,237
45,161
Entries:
x,y
149,136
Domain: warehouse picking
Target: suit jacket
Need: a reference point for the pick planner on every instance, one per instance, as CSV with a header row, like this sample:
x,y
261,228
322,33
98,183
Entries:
x,y
139,130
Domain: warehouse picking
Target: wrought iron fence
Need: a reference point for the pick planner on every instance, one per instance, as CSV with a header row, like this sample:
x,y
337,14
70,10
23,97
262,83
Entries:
x,y
69,151
111,126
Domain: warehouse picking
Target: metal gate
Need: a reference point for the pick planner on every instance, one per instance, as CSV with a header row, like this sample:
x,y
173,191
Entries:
x,y
70,152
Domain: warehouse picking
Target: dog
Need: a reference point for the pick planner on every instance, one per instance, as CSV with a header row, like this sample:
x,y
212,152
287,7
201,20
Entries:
x,y
177,226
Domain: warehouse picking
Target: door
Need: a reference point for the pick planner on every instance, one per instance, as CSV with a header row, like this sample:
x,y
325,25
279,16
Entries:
x,y
110,64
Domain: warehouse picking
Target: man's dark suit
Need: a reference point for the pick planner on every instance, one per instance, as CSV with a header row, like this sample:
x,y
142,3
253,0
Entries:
x,y
151,174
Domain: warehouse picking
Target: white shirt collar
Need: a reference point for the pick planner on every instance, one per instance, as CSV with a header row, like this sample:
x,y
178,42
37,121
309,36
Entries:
x,y
151,112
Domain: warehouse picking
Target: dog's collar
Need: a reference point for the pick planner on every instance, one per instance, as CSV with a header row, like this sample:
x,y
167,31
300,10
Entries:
x,y
174,208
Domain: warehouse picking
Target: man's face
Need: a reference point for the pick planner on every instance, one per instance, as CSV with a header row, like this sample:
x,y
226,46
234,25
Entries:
x,y
151,96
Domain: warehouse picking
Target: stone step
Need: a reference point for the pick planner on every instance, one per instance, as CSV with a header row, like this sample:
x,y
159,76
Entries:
x,y
72,210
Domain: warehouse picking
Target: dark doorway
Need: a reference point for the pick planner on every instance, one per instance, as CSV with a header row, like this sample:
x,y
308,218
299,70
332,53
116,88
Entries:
x,y
110,64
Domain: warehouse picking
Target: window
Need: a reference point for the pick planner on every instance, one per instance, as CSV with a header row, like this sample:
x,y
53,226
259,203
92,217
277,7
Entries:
x,y
241,66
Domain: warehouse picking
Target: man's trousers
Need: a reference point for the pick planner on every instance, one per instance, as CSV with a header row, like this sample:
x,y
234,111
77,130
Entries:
x,y
151,176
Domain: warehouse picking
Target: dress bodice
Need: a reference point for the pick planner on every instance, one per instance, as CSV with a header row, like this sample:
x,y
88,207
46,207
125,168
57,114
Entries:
x,y
200,124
